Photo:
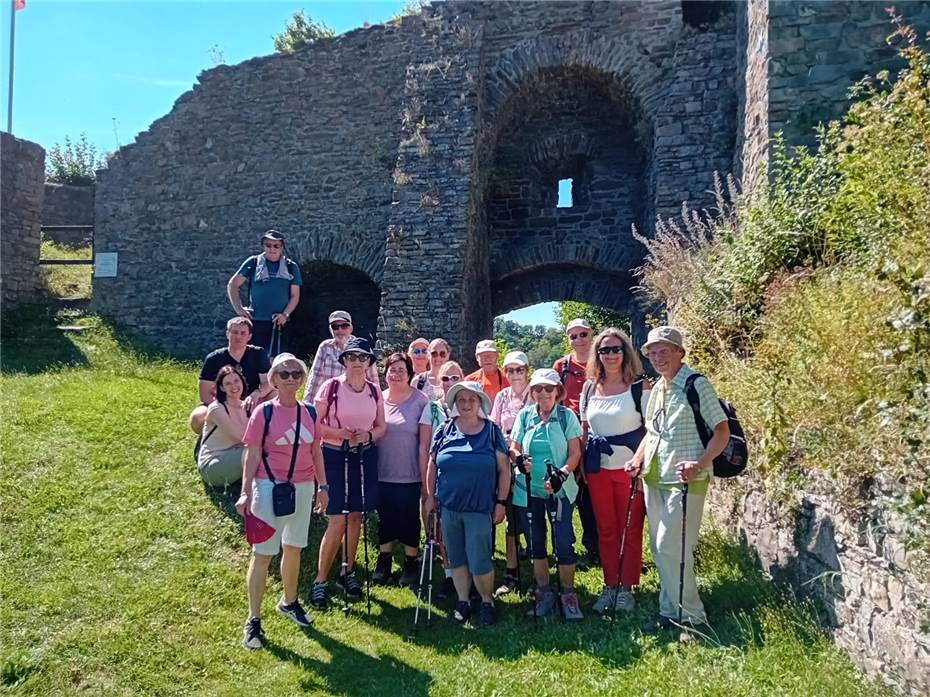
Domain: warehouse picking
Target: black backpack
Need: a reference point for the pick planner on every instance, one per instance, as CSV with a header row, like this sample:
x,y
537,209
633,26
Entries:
x,y
732,461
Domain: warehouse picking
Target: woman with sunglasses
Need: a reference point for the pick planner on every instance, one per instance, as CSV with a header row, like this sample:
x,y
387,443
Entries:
x,y
612,406
351,417
326,363
220,458
418,352
428,381
283,446
546,447
399,475
434,415
507,404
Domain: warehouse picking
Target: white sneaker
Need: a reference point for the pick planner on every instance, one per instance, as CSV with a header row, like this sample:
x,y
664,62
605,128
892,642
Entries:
x,y
605,600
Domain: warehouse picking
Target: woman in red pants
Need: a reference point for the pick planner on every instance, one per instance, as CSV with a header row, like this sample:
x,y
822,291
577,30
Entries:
x,y
612,404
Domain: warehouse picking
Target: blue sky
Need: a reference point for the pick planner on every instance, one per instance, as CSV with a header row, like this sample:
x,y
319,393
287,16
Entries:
x,y
109,68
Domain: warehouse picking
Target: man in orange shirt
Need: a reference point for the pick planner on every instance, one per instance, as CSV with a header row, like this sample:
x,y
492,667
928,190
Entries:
x,y
571,369
491,377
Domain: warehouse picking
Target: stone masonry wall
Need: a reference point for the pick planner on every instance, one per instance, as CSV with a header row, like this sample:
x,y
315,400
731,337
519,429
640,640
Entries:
x,y
68,205
877,604
22,173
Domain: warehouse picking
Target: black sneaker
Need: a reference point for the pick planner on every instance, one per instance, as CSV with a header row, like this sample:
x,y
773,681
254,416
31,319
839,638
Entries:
x,y
319,597
382,570
461,613
252,635
656,624
410,575
485,615
294,612
351,584
446,589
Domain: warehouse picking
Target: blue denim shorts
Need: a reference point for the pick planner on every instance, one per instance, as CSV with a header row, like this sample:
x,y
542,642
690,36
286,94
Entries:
x,y
468,540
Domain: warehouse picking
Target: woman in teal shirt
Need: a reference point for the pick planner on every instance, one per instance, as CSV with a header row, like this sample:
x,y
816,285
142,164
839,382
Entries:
x,y
546,445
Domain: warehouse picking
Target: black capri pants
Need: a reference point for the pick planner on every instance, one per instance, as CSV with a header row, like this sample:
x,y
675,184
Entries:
x,y
399,513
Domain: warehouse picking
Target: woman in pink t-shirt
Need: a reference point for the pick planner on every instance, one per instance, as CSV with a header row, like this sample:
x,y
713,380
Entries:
x,y
280,449
351,417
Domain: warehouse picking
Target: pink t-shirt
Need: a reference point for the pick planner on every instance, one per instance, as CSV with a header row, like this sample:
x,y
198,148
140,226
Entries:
x,y
350,409
279,443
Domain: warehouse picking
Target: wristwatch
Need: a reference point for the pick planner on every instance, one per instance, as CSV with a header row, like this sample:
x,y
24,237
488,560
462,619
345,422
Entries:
x,y
324,487
502,502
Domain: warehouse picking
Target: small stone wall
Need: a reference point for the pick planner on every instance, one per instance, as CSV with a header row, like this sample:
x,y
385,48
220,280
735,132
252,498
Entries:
x,y
23,166
877,604
68,205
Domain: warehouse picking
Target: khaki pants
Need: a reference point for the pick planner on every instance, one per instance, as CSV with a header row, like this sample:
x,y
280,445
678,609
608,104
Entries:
x,y
663,511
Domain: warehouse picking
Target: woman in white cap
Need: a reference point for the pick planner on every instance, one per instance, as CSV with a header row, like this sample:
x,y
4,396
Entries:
x,y
546,447
282,460
507,404
468,478
612,405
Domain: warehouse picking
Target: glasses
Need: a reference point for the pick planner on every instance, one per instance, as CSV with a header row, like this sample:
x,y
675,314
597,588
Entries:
x,y
340,325
290,374
548,389
579,335
419,352
273,245
451,378
604,350
514,371
441,354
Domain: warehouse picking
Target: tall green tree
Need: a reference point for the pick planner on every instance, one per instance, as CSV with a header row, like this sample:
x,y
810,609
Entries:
x,y
74,163
598,317
300,30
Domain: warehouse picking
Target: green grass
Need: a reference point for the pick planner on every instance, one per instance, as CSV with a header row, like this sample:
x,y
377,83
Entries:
x,y
120,575
66,281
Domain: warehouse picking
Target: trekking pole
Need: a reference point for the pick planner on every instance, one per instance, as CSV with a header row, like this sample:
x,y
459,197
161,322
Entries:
x,y
681,564
551,513
345,535
626,530
529,518
431,540
427,550
275,336
361,467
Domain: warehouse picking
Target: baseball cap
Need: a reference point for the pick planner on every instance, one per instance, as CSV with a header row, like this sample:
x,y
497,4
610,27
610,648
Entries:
x,y
340,314
577,322
486,346
516,358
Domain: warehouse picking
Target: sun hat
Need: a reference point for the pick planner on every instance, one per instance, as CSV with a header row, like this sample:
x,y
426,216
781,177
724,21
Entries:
x,y
486,346
340,314
578,322
516,358
284,358
471,386
545,376
668,335
357,345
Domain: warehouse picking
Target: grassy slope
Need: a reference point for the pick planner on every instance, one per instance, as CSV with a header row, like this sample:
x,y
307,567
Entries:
x,y
120,575
65,281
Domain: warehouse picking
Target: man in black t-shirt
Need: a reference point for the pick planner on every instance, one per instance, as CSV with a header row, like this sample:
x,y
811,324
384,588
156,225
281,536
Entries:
x,y
251,360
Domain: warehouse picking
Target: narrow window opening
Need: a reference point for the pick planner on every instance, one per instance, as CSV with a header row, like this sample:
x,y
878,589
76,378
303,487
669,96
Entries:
x,y
565,194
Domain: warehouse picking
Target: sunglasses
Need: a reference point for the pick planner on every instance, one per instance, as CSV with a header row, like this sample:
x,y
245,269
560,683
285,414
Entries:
x,y
439,353
514,371
419,352
272,245
290,374
548,389
356,358
604,350
340,325
451,378
579,335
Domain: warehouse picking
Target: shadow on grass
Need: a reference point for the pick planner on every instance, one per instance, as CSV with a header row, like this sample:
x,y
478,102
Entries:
x,y
32,342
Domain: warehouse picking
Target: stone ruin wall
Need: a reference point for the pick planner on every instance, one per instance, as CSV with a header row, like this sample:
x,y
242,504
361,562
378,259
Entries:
x,y
65,204
22,166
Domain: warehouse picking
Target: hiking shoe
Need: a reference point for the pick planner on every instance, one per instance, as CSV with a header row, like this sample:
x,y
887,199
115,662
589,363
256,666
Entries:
x,y
543,603
508,586
382,570
410,575
252,635
625,601
319,597
605,600
462,612
351,583
570,608
294,612
446,589
656,624
485,615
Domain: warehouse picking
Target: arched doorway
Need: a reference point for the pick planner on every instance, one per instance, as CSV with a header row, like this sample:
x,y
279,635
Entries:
x,y
327,287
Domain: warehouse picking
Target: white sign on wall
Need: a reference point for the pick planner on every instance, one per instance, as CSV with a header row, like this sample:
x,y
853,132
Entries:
x,y
105,264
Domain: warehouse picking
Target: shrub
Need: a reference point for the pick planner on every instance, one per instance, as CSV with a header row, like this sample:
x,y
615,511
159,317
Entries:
x,y
75,163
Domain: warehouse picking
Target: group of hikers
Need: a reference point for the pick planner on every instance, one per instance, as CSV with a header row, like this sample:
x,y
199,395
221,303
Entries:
x,y
456,455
